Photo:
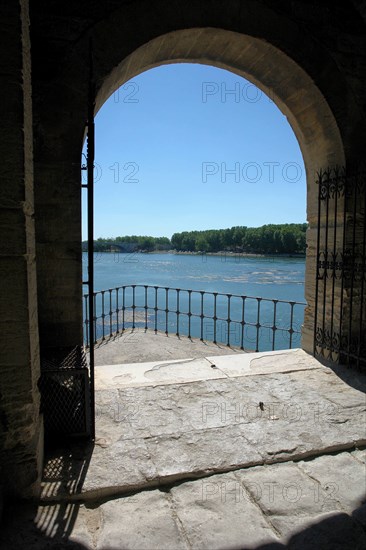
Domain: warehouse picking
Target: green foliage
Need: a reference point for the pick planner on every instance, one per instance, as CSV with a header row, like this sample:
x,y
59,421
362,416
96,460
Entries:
x,y
268,239
289,238
129,243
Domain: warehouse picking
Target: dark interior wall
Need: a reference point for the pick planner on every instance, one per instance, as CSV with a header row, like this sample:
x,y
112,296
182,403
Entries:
x,y
20,423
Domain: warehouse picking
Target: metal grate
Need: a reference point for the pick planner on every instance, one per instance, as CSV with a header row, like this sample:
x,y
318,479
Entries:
x,y
65,394
340,299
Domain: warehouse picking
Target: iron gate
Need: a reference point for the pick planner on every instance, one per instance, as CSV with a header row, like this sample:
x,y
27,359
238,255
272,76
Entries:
x,y
340,320
65,394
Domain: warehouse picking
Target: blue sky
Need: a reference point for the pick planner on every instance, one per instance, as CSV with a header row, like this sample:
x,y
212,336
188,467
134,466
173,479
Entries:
x,y
185,147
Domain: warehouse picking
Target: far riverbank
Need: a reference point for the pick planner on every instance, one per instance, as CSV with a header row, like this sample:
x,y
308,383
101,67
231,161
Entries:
x,y
223,253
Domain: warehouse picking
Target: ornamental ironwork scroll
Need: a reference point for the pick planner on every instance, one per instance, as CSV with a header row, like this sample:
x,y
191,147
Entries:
x,y
340,300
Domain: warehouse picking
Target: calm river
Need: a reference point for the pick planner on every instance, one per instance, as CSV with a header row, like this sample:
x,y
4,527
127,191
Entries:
x,y
263,277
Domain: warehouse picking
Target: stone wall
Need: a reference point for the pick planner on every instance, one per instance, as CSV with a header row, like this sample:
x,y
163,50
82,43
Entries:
x,y
20,425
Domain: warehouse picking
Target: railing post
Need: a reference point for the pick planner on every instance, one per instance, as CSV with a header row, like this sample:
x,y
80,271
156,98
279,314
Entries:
x,y
133,306
201,315
146,287
103,315
166,309
291,330
110,313
95,316
228,319
86,319
242,322
177,312
123,307
274,326
117,311
215,317
258,324
189,312
156,309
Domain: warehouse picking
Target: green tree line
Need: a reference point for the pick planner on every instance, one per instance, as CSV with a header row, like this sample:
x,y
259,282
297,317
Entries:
x,y
287,238
268,239
139,242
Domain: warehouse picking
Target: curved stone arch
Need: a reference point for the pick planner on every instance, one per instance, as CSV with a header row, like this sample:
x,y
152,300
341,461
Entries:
x,y
272,71
287,84
269,48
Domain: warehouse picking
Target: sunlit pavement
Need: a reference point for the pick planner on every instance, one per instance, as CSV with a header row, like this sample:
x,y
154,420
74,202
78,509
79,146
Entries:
x,y
224,451
141,346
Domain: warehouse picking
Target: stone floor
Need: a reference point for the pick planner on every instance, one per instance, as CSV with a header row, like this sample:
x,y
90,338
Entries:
x,y
140,346
219,452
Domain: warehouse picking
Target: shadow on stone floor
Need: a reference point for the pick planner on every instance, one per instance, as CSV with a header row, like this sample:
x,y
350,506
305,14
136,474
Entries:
x,y
65,468
64,473
23,529
350,376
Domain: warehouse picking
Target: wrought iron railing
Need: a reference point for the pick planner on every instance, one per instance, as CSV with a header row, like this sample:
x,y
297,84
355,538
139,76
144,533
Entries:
x,y
340,288
248,322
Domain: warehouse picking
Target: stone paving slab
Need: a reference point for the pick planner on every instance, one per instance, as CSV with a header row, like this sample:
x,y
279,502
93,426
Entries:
x,y
291,494
304,505
203,368
141,346
152,435
264,453
346,481
155,373
214,514
144,521
264,362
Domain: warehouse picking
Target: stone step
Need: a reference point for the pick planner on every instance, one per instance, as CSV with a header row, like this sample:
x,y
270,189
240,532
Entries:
x,y
150,436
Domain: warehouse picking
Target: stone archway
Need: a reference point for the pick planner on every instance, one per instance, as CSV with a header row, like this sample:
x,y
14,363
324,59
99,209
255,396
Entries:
x,y
266,66
262,46
274,73
320,49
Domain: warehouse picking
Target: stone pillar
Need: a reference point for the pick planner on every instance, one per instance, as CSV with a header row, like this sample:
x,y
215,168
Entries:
x,y
21,439
59,268
57,174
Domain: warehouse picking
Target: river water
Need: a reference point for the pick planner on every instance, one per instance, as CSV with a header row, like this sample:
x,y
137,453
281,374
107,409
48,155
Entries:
x,y
276,278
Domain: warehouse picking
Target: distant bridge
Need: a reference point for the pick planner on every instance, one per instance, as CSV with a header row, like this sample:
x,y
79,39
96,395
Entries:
x,y
122,247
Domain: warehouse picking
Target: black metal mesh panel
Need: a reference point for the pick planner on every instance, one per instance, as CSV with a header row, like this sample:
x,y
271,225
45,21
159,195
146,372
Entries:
x,y
64,387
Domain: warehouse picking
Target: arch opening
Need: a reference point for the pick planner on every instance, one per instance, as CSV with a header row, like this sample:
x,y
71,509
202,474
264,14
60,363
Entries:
x,y
278,76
